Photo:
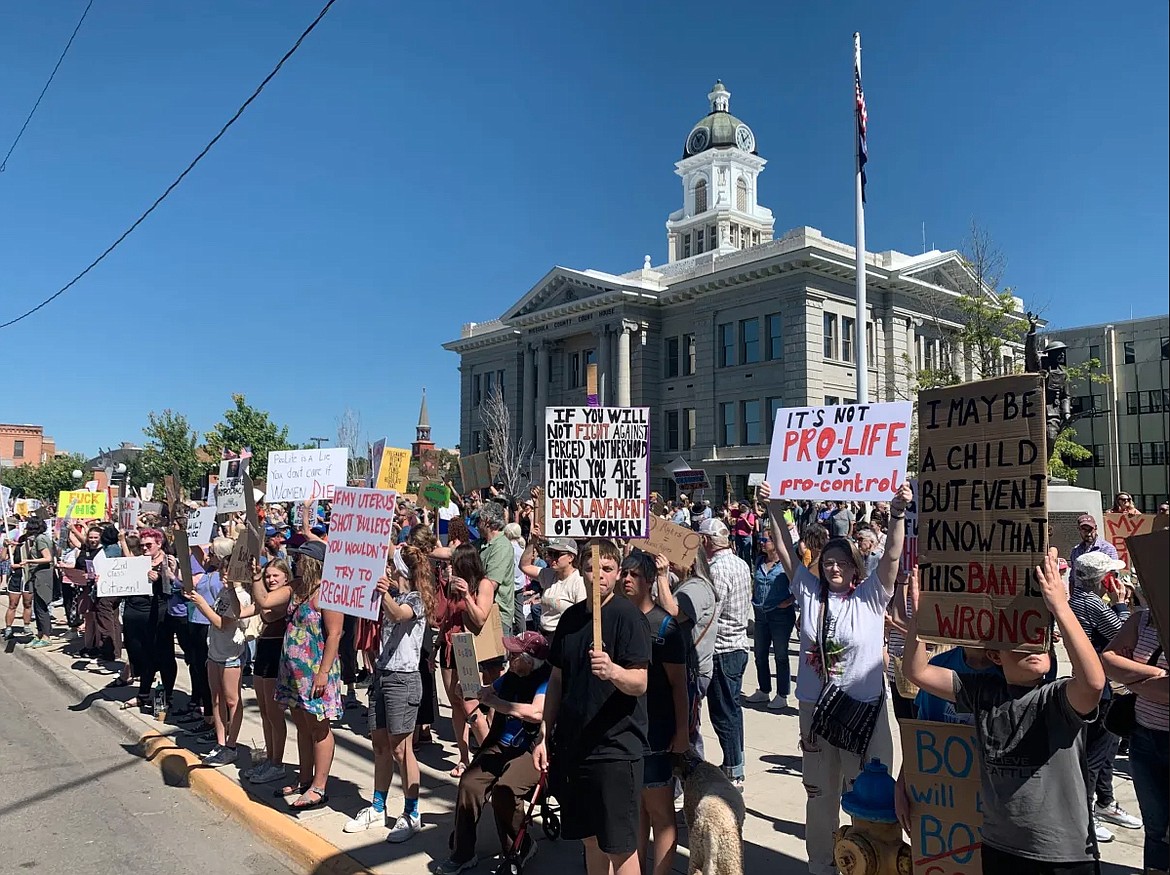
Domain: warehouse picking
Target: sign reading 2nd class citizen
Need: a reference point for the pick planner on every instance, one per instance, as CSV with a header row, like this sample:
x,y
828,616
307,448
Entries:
x,y
597,472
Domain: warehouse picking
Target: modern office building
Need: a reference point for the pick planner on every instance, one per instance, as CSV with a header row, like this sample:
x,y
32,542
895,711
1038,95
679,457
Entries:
x,y
1123,422
733,326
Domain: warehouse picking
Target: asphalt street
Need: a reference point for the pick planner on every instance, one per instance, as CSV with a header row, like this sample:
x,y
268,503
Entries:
x,y
77,800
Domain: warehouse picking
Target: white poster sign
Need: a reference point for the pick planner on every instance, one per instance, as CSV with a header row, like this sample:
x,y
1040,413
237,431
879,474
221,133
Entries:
x,y
128,516
300,475
122,576
359,544
229,491
200,524
463,649
849,452
597,472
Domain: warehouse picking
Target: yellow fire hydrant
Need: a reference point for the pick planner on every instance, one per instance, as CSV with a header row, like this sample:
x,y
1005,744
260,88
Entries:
x,y
872,844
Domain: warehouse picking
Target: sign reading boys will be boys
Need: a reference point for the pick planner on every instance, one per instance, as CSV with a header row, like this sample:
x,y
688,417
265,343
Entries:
x,y
852,452
597,469
301,475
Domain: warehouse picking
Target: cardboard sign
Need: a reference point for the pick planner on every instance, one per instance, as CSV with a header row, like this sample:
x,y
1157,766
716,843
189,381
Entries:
x,y
1119,526
489,641
128,513
393,469
122,576
200,525
475,472
691,479
910,545
983,513
246,548
851,452
467,666
677,543
229,488
597,472
86,505
375,460
183,555
1149,554
941,770
300,475
359,544
756,479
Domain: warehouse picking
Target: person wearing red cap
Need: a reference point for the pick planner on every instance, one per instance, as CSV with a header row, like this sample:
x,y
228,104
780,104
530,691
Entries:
x,y
502,766
1091,542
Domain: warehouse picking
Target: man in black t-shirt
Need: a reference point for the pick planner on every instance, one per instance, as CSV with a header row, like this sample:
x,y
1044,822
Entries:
x,y
595,720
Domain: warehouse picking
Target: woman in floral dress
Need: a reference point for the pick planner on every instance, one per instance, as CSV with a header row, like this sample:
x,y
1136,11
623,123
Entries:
x,y
309,683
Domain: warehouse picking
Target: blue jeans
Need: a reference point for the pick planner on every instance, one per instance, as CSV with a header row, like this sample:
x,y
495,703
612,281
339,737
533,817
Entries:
x,y
725,709
1149,760
773,632
743,548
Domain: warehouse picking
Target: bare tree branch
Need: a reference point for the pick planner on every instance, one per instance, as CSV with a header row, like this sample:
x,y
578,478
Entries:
x,y
512,459
349,428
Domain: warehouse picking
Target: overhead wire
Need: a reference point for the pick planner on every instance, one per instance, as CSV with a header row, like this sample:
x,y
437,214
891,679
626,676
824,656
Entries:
x,y
33,111
239,112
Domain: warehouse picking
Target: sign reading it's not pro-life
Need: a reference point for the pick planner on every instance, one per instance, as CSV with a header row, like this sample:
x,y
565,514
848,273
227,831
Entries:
x,y
597,474
851,452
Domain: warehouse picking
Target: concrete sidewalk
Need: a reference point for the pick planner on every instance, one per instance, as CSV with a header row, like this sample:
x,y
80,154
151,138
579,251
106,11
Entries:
x,y
773,832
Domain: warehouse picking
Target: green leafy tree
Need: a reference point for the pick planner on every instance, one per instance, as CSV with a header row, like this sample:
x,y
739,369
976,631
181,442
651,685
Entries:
x,y
1065,451
45,481
246,426
170,443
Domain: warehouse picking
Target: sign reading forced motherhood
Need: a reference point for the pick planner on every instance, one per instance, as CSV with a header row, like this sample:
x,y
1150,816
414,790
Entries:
x,y
597,472
983,513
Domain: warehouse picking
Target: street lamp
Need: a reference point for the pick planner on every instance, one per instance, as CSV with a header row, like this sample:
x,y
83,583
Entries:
x,y
77,475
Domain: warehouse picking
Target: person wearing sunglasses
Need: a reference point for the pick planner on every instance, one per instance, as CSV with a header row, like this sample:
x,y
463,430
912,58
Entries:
x,y
1124,504
775,616
560,582
142,618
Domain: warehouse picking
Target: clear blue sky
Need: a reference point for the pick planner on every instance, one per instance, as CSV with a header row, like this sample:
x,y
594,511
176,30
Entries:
x,y
417,166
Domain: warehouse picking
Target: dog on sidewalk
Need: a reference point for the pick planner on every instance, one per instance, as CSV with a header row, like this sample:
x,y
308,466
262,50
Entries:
x,y
714,813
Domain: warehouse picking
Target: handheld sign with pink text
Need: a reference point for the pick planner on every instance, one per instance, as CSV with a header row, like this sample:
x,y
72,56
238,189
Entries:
x,y
301,475
597,482
359,544
850,452
983,514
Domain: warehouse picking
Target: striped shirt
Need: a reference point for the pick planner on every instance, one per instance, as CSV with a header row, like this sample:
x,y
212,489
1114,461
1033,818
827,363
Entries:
x,y
733,590
1099,621
1149,714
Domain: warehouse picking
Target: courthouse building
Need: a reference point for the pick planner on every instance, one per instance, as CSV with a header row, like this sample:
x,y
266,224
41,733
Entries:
x,y
736,324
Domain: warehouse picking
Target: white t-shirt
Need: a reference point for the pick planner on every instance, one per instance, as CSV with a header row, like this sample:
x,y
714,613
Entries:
x,y
856,633
557,595
228,642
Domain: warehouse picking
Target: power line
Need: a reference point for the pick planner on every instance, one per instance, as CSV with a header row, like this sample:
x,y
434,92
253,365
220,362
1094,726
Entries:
x,y
239,112
32,112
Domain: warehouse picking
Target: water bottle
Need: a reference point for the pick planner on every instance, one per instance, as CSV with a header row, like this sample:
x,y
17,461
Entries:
x,y
160,702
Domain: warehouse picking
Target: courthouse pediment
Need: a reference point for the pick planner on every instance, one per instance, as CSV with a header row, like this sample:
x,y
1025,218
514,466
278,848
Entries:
x,y
562,287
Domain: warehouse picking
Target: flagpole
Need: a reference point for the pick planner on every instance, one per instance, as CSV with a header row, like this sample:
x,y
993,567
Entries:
x,y
859,323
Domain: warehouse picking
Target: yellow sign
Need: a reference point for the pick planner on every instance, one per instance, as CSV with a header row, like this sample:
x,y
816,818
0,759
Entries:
x,y
394,470
89,506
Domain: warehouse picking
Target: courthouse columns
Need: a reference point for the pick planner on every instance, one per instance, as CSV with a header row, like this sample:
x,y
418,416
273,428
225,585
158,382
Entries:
x,y
527,401
623,365
603,365
541,395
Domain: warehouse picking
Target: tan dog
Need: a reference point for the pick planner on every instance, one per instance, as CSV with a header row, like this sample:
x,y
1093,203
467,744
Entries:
x,y
714,813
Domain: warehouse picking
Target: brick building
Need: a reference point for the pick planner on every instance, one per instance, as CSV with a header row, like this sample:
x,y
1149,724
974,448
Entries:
x,y
24,444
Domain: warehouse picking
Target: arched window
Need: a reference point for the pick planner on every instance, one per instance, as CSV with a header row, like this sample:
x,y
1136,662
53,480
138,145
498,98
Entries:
x,y
701,196
741,195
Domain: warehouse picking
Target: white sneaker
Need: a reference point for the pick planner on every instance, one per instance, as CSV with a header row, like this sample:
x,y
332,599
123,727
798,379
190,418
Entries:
x,y
1116,815
756,698
1104,836
778,703
365,819
404,828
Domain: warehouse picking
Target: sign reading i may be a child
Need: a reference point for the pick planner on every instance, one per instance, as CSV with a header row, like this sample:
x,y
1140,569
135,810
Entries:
x,y
597,472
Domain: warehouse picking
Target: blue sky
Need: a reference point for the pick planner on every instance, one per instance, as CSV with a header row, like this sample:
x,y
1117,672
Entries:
x,y
417,166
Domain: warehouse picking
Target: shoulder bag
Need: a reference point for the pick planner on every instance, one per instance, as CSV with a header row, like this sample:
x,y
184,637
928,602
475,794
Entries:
x,y
1121,715
838,718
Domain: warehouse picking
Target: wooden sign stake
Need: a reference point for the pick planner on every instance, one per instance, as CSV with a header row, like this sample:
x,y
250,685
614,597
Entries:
x,y
595,559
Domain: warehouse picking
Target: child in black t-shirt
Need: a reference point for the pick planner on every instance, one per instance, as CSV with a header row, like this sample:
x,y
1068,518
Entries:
x,y
595,723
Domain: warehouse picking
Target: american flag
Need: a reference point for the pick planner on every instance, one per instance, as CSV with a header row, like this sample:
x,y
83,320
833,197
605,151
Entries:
x,y
862,121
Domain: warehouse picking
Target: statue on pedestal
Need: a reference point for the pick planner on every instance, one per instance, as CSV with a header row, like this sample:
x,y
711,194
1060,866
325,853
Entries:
x,y
1051,364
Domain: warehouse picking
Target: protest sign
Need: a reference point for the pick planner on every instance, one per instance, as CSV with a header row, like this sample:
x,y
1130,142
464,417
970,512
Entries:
x,y
466,664
597,472
183,555
246,548
299,475
677,543
393,469
299,512
25,506
1119,526
151,507
983,513
475,472
86,505
359,541
435,494
852,452
122,576
941,769
5,497
1149,554
910,545
691,479
375,460
128,514
756,479
229,487
200,524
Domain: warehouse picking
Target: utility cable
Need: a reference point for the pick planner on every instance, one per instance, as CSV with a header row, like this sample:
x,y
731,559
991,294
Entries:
x,y
239,112
33,111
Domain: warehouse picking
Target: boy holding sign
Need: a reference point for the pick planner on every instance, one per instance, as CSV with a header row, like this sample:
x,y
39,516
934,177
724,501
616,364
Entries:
x,y
1031,739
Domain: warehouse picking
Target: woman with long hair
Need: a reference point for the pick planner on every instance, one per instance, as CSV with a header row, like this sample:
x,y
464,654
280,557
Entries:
x,y
408,601
309,680
142,617
424,539
1123,503
278,577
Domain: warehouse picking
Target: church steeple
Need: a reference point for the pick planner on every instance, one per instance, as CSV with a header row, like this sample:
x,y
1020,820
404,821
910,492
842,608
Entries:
x,y
422,431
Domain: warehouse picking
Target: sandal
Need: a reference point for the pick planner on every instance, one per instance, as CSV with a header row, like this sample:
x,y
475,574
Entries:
x,y
322,799
118,682
458,771
290,790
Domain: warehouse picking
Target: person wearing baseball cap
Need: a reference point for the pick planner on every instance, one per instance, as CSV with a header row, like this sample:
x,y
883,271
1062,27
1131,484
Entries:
x,y
502,766
1091,542
560,582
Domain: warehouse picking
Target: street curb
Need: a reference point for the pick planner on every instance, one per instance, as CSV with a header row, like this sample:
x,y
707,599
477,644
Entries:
x,y
182,768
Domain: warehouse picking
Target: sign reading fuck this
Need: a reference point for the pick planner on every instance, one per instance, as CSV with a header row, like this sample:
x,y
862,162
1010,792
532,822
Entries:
x,y
597,472
359,544
852,452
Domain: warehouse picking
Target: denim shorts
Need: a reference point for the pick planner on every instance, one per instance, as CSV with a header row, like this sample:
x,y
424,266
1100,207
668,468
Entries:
x,y
657,770
234,662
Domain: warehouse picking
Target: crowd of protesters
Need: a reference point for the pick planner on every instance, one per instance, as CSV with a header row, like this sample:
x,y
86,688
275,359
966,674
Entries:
x,y
609,724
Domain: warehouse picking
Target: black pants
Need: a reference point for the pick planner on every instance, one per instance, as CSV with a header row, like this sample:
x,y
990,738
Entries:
x,y
1100,751
169,629
139,631
346,652
904,709
997,862
193,640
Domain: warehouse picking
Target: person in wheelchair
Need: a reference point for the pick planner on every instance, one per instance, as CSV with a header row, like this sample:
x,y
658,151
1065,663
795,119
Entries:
x,y
503,766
